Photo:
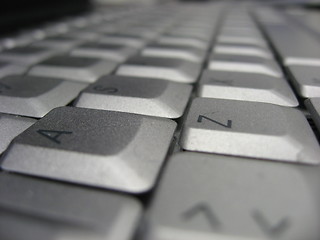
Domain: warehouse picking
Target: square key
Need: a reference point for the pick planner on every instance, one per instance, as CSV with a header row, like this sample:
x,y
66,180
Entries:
x,y
249,129
82,69
105,149
35,96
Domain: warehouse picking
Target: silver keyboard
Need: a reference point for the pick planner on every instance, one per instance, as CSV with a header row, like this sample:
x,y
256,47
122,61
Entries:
x,y
172,122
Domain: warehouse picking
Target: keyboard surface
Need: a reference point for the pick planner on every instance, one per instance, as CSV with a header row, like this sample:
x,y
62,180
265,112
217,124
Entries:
x,y
182,121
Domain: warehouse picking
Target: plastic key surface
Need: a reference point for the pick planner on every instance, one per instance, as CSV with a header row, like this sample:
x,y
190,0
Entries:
x,y
151,97
35,96
10,127
34,209
82,69
175,70
113,52
246,87
27,55
100,148
234,127
205,197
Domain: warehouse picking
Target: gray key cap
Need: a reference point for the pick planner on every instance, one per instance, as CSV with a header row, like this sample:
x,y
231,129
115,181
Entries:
x,y
117,38
234,127
33,209
215,197
183,41
82,69
242,49
59,42
7,68
26,55
10,127
306,80
295,45
248,64
174,51
169,69
106,149
151,97
246,87
313,105
114,52
228,38
35,96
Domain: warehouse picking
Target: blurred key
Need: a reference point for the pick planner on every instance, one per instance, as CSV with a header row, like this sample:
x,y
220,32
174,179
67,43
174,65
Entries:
x,y
175,70
59,42
33,209
248,64
246,87
10,127
118,38
114,52
26,55
82,69
35,96
7,68
183,41
234,127
204,196
306,80
100,148
242,49
151,97
174,51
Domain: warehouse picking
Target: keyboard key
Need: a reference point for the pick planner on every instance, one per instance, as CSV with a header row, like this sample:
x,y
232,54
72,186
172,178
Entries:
x,y
236,39
257,130
205,196
33,209
35,96
295,45
174,51
28,55
117,38
175,70
82,69
7,68
242,49
10,127
105,149
248,64
114,52
313,105
182,41
59,42
151,97
246,87
306,80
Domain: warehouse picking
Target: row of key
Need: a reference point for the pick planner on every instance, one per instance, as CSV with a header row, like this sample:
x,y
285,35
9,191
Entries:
x,y
126,88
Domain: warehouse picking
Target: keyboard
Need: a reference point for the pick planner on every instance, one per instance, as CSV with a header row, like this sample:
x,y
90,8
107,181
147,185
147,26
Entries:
x,y
169,122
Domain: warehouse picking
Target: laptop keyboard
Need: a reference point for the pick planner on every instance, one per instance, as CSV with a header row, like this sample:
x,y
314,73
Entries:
x,y
173,122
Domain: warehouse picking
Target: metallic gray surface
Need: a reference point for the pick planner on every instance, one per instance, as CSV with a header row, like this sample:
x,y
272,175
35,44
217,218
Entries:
x,y
152,97
246,87
33,209
99,148
82,69
204,197
234,127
